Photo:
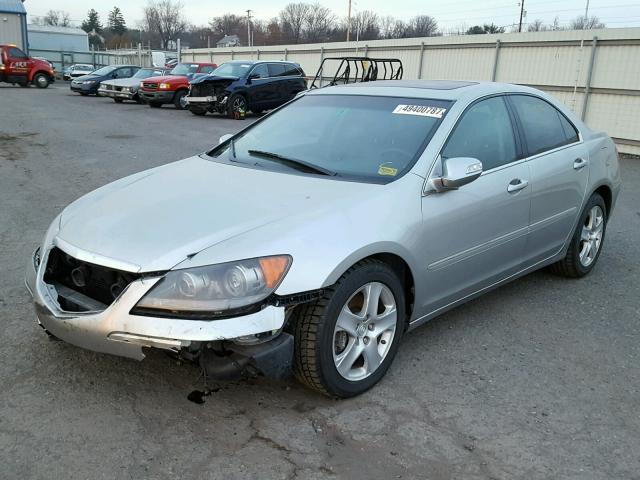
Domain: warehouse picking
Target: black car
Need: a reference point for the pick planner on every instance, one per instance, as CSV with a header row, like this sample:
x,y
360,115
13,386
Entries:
x,y
242,85
89,84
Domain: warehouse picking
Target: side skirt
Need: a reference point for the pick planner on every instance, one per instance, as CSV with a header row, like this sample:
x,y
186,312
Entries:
x,y
536,266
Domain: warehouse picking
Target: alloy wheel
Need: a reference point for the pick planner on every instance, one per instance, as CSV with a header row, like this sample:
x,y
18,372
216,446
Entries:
x,y
591,236
364,331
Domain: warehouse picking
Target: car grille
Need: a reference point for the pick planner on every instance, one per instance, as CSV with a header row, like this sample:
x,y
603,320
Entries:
x,y
150,85
206,89
83,286
108,87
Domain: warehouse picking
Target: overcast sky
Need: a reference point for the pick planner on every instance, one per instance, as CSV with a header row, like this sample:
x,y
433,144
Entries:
x,y
449,14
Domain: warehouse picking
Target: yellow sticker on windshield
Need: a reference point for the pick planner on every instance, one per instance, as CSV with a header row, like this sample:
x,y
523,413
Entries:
x,y
389,171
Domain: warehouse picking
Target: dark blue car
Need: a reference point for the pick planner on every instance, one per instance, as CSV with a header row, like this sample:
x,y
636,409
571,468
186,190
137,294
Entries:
x,y
89,84
242,85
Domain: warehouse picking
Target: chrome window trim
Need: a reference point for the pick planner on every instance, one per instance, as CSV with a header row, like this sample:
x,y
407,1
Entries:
x,y
426,190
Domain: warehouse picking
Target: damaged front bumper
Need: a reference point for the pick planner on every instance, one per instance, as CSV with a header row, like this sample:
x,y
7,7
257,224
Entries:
x,y
116,331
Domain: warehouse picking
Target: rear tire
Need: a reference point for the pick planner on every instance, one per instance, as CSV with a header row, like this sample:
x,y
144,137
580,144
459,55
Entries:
x,y
155,104
341,347
587,240
41,80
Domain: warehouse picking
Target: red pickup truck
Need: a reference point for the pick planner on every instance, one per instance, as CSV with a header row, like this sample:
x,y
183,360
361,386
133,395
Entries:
x,y
173,87
18,67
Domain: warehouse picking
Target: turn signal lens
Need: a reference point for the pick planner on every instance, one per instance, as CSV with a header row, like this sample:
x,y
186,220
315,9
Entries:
x,y
273,269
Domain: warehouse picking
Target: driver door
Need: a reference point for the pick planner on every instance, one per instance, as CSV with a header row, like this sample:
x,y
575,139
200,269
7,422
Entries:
x,y
19,65
475,236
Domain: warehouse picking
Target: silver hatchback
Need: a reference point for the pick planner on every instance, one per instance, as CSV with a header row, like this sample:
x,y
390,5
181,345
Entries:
x,y
315,238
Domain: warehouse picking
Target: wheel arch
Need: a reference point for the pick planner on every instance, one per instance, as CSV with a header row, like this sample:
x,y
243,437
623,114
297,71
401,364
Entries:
x,y
606,193
400,263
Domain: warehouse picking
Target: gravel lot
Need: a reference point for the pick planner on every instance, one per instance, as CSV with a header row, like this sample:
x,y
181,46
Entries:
x,y
539,379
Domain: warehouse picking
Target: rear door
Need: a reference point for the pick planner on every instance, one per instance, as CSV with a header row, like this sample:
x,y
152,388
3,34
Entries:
x,y
559,165
475,236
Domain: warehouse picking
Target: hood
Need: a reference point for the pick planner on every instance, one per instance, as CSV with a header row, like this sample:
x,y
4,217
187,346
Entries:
x,y
171,79
214,79
90,76
156,219
124,82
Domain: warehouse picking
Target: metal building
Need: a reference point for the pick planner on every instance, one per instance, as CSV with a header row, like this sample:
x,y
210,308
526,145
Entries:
x,y
13,23
61,39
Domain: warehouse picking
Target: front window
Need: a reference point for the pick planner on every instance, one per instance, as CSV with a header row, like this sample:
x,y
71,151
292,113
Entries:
x,y
367,138
184,69
104,71
83,68
232,69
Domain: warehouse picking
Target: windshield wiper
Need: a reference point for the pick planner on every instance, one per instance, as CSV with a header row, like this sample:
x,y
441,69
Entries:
x,y
293,162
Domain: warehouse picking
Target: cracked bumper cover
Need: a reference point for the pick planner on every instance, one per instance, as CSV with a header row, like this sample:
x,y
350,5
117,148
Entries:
x,y
117,332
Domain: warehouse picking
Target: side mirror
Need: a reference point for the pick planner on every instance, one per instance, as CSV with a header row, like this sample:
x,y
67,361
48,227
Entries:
x,y
457,172
224,138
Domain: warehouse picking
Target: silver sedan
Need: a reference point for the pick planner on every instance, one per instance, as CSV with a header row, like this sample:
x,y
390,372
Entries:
x,y
318,236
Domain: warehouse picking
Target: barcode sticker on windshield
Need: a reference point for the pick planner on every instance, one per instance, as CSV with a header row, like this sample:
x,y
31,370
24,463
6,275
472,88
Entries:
x,y
420,110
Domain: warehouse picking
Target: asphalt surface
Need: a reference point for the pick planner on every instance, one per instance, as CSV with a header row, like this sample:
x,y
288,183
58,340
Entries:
x,y
537,380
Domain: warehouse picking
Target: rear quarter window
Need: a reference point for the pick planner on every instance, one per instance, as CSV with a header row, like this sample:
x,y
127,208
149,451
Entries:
x,y
545,127
276,70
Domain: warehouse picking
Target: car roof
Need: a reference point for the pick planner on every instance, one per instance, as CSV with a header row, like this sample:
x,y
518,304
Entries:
x,y
434,89
255,62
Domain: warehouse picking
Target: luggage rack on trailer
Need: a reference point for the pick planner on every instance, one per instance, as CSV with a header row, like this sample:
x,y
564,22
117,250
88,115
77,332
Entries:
x,y
358,69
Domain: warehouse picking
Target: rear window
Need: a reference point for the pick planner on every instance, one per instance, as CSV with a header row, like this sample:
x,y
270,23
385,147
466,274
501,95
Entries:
x,y
545,127
276,69
368,138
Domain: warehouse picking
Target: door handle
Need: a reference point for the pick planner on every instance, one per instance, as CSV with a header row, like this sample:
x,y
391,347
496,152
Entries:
x,y
516,185
579,163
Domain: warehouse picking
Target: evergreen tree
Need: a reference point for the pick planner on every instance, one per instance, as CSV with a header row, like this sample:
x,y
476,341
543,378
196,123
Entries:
x,y
116,22
92,23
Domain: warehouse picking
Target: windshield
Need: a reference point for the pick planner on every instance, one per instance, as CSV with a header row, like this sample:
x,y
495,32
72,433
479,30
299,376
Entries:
x,y
232,69
147,72
104,71
86,68
361,137
184,69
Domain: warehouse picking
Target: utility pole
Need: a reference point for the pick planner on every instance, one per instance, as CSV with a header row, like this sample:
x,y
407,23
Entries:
x,y
586,15
249,27
521,15
349,22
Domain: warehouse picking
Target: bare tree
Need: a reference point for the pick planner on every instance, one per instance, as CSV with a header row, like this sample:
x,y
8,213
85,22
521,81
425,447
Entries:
x,y
423,26
164,19
364,25
293,18
318,22
57,18
586,23
537,26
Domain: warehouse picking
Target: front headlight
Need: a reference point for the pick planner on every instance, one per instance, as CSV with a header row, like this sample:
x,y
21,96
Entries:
x,y
214,290
87,82
164,86
126,89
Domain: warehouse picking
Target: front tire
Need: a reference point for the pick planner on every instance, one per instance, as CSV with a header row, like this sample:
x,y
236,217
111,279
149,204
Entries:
x,y
586,242
198,111
236,103
41,80
346,340
117,100
178,100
